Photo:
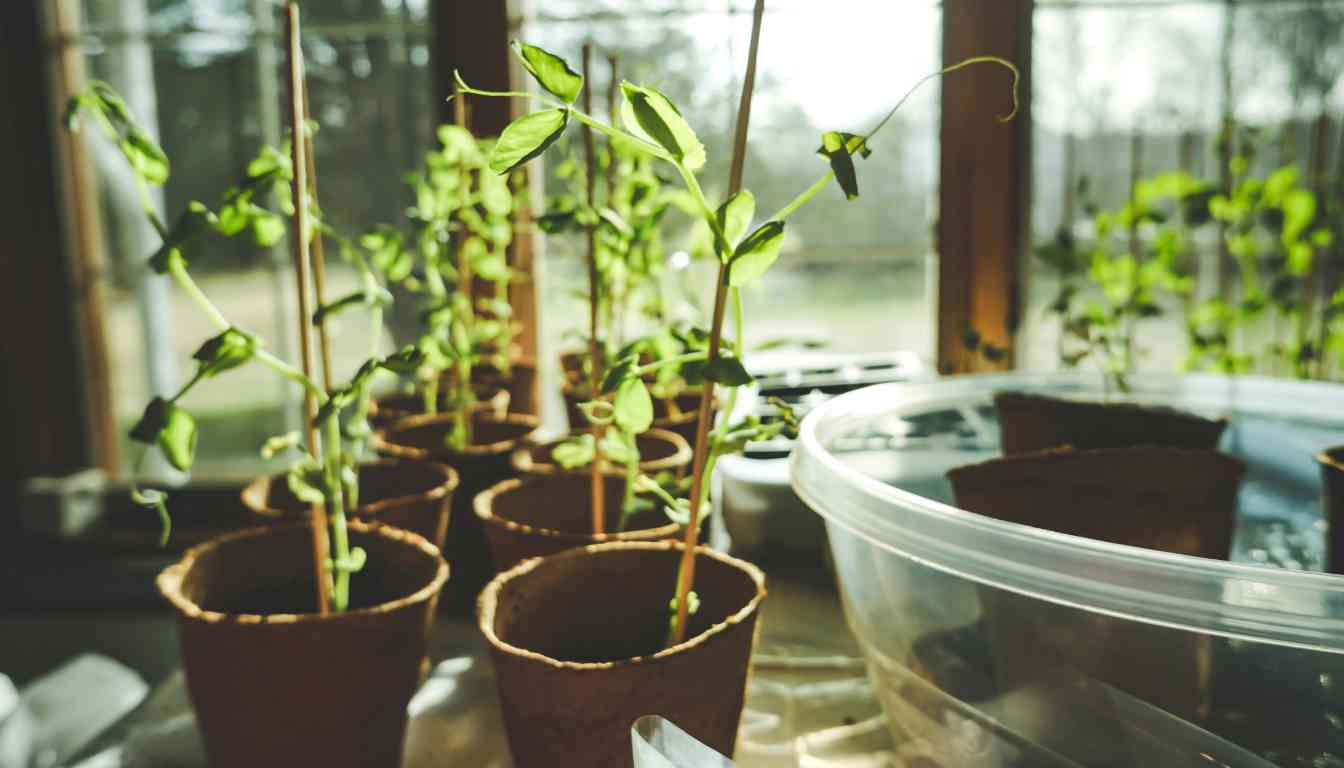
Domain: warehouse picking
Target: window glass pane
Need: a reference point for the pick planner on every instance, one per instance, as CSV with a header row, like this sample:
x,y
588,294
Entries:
x,y
1125,91
208,77
855,274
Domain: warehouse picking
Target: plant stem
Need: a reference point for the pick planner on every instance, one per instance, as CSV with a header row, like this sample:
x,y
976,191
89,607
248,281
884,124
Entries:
x,y
598,487
194,292
686,571
299,192
688,357
335,508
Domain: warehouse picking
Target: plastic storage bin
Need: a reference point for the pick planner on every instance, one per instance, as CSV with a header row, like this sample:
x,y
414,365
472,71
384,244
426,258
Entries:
x,y
995,644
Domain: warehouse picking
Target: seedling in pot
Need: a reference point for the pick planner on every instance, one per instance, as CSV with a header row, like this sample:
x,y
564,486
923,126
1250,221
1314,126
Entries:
x,y
652,124
324,474
462,227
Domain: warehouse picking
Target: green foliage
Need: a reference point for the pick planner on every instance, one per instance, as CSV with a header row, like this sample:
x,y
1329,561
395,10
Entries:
x,y
550,71
526,138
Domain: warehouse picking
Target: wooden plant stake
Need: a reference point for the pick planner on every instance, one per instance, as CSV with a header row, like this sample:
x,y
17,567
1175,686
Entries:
x,y
464,276
318,259
299,188
686,573
594,348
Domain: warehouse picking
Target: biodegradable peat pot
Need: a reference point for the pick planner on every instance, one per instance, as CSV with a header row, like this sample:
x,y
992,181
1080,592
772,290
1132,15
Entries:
x,y
577,642
275,684
1167,499
540,515
482,464
1036,422
678,414
1332,490
411,495
659,451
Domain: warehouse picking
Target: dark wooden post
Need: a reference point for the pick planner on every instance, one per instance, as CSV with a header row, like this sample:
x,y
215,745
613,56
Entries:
x,y
985,174
53,367
473,38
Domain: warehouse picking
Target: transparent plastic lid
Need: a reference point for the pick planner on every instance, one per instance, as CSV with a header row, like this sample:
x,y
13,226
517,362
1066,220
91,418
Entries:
x,y
871,461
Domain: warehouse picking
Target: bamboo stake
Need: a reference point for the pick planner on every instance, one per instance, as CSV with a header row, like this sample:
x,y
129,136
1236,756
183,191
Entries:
x,y
464,275
299,188
686,573
319,261
594,348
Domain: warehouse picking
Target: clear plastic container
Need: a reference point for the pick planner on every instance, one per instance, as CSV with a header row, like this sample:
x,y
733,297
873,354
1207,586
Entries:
x,y
995,644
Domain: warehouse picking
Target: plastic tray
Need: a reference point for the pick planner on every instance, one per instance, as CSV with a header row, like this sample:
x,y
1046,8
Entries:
x,y
1001,644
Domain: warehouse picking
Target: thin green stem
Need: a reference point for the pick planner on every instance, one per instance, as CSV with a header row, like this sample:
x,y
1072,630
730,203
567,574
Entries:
x,y
820,184
803,198
194,292
290,372
688,357
335,503
613,131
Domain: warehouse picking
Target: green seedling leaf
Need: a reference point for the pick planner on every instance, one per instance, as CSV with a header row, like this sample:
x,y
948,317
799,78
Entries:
x,y
366,298
574,453
735,216
406,361
550,71
754,255
618,447
267,228
147,160
839,149
727,371
650,116
165,259
632,407
618,373
177,438
224,352
526,138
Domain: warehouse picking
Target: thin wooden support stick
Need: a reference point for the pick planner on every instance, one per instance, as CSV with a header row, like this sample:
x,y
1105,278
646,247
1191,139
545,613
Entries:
x,y
299,189
686,573
599,488
318,259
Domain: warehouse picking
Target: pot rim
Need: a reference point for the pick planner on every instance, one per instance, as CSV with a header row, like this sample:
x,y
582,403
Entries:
x,y
488,602
371,509
1332,457
380,441
523,462
483,505
169,580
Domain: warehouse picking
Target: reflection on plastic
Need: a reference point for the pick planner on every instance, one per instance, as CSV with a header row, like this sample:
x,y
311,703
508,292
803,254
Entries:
x,y
659,743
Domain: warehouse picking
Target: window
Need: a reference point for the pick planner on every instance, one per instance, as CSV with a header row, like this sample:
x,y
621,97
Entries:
x,y
1127,90
206,75
856,275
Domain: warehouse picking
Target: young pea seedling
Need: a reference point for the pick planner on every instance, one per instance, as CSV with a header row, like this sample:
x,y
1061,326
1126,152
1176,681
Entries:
x,y
651,123
326,477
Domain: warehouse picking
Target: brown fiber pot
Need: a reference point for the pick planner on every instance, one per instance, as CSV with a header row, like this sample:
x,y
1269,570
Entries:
x,y
540,515
1332,490
659,451
275,684
577,642
1166,499
678,414
483,463
411,495
1036,422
